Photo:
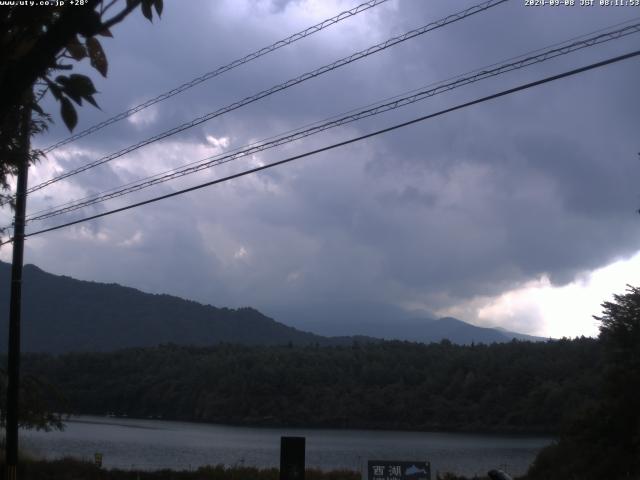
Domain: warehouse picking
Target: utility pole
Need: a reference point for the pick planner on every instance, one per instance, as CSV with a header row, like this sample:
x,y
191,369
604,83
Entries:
x,y
13,370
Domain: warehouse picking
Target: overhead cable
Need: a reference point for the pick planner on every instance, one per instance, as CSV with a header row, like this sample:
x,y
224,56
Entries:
x,y
397,102
219,71
277,88
343,143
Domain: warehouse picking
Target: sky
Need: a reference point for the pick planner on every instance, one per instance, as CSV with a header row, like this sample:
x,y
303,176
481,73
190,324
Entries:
x,y
518,213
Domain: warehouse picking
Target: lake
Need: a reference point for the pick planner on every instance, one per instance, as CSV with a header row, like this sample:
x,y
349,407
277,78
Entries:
x,y
155,444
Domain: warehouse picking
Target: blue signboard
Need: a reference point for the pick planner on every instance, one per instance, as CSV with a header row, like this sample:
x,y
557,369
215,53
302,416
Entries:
x,y
392,470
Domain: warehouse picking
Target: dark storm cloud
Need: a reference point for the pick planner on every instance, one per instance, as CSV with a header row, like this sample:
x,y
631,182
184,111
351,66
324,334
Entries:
x,y
473,203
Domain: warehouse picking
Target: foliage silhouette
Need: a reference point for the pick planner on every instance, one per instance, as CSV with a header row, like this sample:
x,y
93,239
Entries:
x,y
604,442
36,44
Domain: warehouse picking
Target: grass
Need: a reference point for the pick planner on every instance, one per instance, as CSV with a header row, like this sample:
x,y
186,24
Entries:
x,y
72,469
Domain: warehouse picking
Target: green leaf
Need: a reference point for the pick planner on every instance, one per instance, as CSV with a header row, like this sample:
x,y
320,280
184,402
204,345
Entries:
x,y
105,33
146,9
76,49
55,90
37,108
89,98
62,79
68,89
68,113
77,87
159,6
84,87
82,84
97,56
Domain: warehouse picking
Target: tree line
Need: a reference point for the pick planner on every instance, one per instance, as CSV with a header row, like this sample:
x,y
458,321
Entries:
x,y
512,387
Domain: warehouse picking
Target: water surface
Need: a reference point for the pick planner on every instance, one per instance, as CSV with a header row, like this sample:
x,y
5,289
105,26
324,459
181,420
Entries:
x,y
155,444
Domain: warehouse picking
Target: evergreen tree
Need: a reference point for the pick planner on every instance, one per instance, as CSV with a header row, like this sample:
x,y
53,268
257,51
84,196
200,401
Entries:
x,y
605,441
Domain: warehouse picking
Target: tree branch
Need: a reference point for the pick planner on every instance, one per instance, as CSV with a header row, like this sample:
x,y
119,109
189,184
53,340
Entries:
x,y
131,6
24,73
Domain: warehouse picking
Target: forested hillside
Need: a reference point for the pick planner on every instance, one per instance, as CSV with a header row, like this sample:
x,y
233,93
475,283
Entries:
x,y
517,386
62,314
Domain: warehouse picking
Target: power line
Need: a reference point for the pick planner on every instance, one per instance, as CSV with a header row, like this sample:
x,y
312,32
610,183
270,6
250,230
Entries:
x,y
416,95
343,143
257,147
294,81
219,71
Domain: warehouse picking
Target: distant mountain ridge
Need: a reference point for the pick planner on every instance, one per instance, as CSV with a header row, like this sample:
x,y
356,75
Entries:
x,y
423,330
62,314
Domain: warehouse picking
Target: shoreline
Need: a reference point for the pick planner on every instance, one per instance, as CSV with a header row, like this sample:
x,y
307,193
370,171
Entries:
x,y
496,431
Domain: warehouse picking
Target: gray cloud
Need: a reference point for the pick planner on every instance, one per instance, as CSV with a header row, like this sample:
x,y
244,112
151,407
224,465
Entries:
x,y
472,203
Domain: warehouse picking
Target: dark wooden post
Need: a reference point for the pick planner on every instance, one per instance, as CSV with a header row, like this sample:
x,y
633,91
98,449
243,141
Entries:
x,y
292,451
13,367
